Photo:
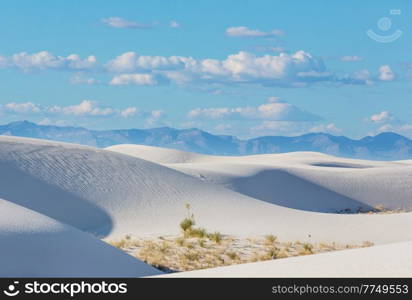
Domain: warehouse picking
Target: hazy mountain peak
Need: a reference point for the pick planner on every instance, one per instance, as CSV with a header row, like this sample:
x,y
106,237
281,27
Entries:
x,y
384,146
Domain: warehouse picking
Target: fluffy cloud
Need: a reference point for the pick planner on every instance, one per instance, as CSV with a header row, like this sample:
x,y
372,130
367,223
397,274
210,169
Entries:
x,y
350,58
23,108
403,128
360,77
328,128
129,112
243,31
131,61
389,122
157,113
118,22
246,67
45,60
85,108
381,117
295,69
154,117
136,79
386,73
274,109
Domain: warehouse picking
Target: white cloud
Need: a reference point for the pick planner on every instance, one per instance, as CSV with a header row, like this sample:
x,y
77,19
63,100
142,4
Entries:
x,y
243,31
129,112
125,62
45,60
389,122
136,79
155,117
23,108
386,73
174,24
75,62
244,66
295,69
327,128
118,22
404,129
274,109
3,62
381,117
210,113
350,58
157,114
86,107
131,61
360,77
79,78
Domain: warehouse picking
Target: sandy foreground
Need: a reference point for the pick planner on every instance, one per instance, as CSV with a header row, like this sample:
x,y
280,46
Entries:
x,y
58,201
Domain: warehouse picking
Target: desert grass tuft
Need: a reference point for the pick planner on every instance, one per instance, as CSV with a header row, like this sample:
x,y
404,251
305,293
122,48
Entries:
x,y
215,237
270,239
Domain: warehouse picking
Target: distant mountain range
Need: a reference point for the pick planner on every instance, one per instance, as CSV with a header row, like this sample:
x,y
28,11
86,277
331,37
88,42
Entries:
x,y
384,146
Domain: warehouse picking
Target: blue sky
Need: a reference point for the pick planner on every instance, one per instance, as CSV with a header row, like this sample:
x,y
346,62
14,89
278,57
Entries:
x,y
245,68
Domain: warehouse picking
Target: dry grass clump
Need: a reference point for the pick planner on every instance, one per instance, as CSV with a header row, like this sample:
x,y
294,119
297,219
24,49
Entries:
x,y
270,239
179,253
215,237
377,209
367,244
125,242
197,249
187,224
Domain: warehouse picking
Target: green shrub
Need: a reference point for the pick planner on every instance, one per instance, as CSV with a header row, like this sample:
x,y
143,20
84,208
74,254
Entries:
x,y
198,232
216,237
308,247
187,224
272,252
271,239
202,243
232,255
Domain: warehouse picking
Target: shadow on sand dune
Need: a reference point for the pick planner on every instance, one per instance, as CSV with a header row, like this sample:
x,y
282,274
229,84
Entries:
x,y
285,189
341,165
26,190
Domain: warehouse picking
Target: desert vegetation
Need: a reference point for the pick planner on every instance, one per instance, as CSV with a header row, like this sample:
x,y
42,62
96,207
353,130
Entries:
x,y
196,248
377,209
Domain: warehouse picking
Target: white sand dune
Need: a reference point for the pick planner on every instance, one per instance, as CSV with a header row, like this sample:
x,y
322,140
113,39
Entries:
x,y
157,154
112,194
33,245
302,180
393,260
